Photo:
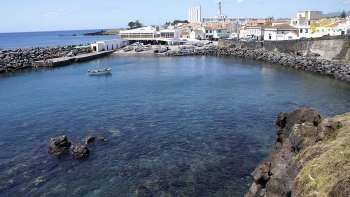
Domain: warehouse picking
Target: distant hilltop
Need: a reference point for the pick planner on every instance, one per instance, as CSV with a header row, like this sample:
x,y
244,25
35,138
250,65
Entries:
x,y
103,33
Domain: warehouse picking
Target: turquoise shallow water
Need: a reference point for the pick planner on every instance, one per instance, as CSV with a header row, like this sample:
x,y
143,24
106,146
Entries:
x,y
184,126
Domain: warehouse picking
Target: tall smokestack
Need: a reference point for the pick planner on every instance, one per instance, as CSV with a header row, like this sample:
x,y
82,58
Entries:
x,y
219,12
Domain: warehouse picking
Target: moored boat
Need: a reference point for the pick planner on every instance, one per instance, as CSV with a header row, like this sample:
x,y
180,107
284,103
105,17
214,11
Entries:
x,y
100,71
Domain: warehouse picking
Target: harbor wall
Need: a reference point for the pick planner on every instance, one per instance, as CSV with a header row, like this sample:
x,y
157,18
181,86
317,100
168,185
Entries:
x,y
330,47
17,59
331,68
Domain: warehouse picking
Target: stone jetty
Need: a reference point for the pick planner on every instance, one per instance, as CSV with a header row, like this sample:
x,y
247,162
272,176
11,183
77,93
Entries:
x,y
307,62
17,59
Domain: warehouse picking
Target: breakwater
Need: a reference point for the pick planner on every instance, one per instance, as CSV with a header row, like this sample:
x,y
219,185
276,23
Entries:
x,y
17,59
331,68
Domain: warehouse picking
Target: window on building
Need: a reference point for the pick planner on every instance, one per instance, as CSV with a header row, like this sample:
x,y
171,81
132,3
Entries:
x,y
270,36
306,30
301,30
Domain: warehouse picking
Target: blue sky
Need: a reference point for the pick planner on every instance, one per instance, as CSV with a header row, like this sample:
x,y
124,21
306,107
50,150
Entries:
x,y
51,15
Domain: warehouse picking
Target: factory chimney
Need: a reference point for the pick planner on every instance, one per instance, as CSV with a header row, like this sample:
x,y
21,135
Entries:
x,y
219,11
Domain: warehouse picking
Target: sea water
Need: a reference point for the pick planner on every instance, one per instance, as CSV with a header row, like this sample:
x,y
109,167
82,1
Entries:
x,y
50,38
175,126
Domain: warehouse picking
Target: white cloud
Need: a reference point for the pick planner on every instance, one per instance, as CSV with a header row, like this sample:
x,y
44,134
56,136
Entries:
x,y
346,1
59,12
240,1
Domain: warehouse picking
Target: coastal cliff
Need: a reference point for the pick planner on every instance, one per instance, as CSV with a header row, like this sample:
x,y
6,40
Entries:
x,y
310,158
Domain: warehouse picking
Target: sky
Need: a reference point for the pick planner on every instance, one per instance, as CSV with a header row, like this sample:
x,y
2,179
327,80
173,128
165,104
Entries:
x,y
53,15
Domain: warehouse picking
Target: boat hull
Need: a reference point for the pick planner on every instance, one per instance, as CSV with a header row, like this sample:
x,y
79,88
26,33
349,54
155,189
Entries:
x,y
99,72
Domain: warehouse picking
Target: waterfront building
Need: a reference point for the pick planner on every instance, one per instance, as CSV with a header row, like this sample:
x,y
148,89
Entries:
x,y
280,32
194,14
255,31
105,45
149,32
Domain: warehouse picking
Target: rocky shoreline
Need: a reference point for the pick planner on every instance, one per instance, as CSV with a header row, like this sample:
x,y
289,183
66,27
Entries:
x,y
309,157
313,64
17,59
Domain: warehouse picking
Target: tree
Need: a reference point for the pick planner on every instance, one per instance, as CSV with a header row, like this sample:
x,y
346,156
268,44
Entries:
x,y
179,21
343,14
131,24
138,24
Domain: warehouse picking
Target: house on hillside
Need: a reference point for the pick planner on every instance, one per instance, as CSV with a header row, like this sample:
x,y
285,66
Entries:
x,y
208,32
220,32
281,32
329,27
184,35
303,22
197,34
255,31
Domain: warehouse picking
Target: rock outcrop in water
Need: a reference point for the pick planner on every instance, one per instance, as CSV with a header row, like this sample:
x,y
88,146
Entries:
x,y
310,157
59,145
79,151
17,59
309,63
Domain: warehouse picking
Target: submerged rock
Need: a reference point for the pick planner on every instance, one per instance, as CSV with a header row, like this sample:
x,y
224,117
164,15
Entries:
x,y
79,151
58,145
101,138
89,139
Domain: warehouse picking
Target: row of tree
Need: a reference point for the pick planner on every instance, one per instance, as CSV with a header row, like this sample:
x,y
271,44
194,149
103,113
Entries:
x,y
138,24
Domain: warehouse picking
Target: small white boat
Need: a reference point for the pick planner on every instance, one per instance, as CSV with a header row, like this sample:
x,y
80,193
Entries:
x,y
99,72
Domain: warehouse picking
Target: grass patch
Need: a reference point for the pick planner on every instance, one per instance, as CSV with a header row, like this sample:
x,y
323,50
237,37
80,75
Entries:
x,y
326,164
112,32
345,61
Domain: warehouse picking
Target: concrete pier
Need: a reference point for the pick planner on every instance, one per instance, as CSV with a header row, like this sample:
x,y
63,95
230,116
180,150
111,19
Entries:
x,y
62,61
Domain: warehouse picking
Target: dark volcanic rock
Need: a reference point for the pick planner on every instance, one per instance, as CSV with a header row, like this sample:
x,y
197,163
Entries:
x,y
58,145
143,191
79,151
89,139
101,138
275,175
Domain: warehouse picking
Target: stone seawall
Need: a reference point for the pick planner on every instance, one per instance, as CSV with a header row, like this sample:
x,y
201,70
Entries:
x,y
327,67
330,47
17,59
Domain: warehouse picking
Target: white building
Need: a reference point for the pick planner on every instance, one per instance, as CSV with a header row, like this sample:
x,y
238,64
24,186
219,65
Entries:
x,y
280,32
106,45
149,32
194,14
303,20
197,34
256,31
